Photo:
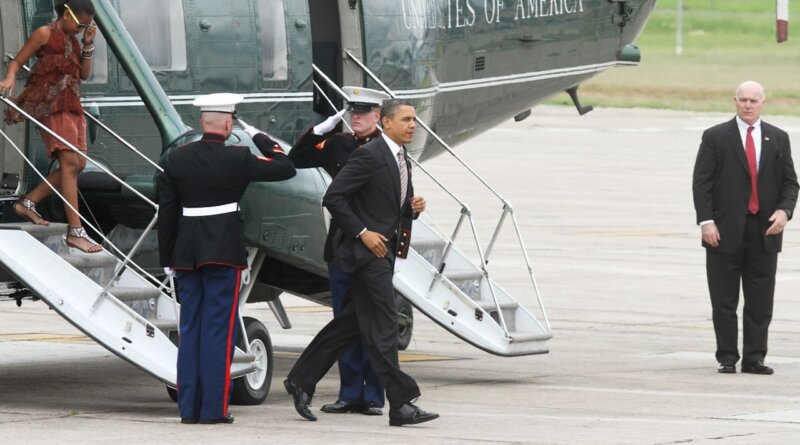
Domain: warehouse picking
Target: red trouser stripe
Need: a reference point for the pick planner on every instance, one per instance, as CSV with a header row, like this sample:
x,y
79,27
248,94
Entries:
x,y
225,394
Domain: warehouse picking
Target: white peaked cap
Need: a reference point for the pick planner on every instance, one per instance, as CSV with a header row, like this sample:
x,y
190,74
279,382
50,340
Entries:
x,y
218,102
364,99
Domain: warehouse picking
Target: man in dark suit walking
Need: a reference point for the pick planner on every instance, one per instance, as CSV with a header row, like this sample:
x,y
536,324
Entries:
x,y
745,190
320,146
373,202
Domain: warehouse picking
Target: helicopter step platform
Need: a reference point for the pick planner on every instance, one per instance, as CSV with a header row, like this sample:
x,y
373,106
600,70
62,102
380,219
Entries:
x,y
133,320
464,300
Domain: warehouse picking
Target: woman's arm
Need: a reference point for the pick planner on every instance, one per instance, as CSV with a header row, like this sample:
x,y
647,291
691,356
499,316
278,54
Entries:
x,y
87,54
37,40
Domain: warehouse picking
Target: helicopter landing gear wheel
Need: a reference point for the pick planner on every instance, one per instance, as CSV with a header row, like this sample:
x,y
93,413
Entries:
x,y
252,389
405,321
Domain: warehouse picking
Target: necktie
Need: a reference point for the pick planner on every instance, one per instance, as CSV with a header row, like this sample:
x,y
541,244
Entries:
x,y
401,164
750,151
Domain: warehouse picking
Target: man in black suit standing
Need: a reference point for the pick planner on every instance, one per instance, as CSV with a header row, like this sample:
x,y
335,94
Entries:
x,y
373,202
745,190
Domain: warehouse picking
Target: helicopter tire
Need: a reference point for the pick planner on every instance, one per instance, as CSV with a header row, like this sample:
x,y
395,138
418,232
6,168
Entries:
x,y
172,393
405,321
252,389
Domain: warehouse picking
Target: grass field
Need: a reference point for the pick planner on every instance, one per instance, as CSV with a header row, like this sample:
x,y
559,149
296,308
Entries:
x,y
724,43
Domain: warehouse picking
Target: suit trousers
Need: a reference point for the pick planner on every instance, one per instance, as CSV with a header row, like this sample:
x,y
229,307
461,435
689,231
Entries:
x,y
755,268
208,330
371,318
359,385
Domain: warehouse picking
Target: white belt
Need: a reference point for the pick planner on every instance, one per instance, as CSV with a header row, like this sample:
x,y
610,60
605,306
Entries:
x,y
209,211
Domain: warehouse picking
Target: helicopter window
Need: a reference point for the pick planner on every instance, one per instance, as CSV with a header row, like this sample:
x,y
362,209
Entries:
x,y
100,61
272,35
157,27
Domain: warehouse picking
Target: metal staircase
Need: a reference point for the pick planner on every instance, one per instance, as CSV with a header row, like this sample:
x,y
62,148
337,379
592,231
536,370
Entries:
x,y
450,288
105,294
136,319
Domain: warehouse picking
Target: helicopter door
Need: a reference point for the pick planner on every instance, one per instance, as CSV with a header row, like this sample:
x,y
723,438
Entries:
x,y
11,41
326,49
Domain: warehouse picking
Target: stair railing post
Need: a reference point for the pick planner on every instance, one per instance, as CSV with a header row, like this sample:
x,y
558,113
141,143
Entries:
x,y
506,210
530,271
486,277
121,267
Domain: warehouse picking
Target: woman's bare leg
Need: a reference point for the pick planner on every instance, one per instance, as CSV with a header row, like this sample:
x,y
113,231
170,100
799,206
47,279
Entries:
x,y
70,167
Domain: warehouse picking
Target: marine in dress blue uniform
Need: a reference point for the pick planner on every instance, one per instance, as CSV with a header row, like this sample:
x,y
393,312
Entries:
x,y
320,146
200,237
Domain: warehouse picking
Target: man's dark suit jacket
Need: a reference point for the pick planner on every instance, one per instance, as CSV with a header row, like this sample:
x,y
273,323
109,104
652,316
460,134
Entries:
x,y
721,183
366,194
329,151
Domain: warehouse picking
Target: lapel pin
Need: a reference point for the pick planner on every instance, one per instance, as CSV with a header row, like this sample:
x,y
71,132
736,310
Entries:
x,y
766,138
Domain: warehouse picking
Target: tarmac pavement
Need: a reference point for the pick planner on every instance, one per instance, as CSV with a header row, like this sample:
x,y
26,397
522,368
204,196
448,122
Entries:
x,y
604,202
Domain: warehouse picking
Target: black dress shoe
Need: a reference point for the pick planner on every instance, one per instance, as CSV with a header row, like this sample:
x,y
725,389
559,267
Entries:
x,y
227,419
340,407
409,414
301,400
726,368
757,368
189,421
372,410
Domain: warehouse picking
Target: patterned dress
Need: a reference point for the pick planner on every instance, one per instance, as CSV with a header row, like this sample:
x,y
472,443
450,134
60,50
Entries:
x,y
52,92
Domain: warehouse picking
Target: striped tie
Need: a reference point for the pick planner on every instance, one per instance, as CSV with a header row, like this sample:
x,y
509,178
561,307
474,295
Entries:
x,y
401,164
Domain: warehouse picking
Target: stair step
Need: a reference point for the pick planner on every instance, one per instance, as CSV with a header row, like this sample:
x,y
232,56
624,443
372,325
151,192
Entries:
x,y
84,260
463,275
128,293
489,306
426,244
521,337
35,230
164,324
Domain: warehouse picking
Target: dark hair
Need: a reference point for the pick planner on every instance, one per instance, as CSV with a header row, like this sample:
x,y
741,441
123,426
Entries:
x,y
390,106
77,6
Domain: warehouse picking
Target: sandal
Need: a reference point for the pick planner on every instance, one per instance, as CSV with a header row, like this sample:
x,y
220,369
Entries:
x,y
80,232
29,207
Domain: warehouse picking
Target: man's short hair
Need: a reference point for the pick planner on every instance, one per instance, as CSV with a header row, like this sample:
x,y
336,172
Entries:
x,y
390,106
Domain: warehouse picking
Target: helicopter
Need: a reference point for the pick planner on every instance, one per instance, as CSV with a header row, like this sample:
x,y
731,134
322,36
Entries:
x,y
467,65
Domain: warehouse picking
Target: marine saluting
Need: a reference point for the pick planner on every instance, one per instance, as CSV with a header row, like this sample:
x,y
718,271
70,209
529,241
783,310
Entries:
x,y
201,240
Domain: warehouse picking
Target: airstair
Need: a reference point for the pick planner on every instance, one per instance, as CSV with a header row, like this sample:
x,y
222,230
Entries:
x,y
453,288
109,297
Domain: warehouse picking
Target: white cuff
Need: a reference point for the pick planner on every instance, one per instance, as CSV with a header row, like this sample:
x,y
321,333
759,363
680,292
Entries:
x,y
361,232
708,221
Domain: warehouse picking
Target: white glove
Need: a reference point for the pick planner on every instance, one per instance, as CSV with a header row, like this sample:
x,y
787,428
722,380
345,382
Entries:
x,y
249,129
169,271
330,123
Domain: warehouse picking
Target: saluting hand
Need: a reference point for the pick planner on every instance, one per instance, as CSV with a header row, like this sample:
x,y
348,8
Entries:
x,y
375,242
418,204
710,234
778,220
330,123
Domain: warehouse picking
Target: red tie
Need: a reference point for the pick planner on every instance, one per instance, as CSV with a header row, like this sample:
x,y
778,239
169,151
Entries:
x,y
750,151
